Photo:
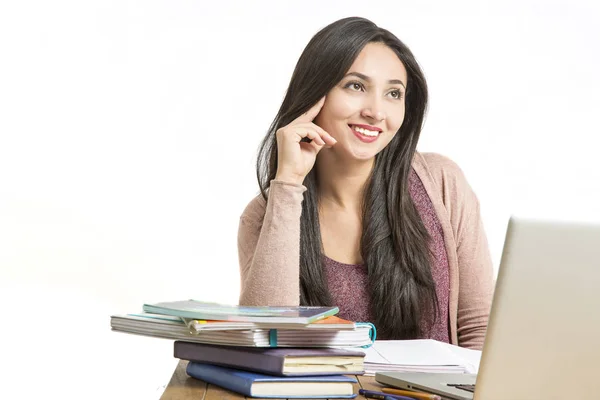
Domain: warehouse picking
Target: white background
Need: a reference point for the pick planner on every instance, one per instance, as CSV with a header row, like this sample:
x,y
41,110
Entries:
x,y
129,131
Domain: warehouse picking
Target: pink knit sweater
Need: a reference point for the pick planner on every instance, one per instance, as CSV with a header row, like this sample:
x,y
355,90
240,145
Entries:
x,y
269,247
347,283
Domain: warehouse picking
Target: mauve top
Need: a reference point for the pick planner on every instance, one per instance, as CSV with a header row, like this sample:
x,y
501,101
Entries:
x,y
348,283
269,247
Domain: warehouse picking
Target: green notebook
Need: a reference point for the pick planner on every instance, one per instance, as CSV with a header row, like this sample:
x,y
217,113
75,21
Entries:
x,y
214,311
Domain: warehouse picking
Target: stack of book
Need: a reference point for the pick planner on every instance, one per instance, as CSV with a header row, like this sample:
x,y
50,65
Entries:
x,y
201,322
278,352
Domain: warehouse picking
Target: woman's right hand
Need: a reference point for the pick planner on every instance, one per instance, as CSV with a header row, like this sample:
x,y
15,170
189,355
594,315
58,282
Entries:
x,y
295,158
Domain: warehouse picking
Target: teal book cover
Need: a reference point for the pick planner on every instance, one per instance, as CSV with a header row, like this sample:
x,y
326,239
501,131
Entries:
x,y
195,309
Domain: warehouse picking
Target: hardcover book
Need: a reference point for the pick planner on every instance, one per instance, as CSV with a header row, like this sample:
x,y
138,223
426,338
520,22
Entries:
x,y
279,361
285,387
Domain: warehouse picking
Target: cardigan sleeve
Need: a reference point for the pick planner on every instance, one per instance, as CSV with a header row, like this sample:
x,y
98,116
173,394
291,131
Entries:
x,y
269,247
475,270
476,274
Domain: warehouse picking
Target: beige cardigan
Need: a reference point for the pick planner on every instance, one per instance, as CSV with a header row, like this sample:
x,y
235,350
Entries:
x,y
269,247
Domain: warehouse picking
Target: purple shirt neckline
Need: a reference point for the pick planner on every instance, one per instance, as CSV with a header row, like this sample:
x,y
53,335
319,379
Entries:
x,y
348,282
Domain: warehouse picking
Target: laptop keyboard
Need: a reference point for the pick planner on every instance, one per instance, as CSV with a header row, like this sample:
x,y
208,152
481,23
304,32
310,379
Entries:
x,y
468,388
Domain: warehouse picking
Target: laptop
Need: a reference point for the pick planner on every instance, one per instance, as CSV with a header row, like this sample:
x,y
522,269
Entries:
x,y
543,336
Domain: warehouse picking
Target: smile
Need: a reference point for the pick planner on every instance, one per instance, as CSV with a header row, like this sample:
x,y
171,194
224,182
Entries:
x,y
364,131
364,134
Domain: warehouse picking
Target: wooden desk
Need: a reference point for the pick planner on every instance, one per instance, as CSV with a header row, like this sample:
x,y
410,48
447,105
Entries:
x,y
182,387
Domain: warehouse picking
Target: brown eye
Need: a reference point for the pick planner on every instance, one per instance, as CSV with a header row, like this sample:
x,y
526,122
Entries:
x,y
355,86
396,94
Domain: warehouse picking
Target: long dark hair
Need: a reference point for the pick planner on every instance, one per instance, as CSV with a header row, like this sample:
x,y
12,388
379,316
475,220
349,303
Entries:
x,y
394,242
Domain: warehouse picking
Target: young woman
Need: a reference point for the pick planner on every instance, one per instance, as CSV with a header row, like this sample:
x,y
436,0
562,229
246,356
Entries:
x,y
350,214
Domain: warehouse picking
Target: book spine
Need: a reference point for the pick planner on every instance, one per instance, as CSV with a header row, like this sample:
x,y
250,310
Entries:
x,y
273,337
214,376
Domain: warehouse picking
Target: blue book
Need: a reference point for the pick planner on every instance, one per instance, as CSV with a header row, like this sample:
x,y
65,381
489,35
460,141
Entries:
x,y
253,384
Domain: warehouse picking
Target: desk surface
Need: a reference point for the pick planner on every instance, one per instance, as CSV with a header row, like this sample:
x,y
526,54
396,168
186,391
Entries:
x,y
182,387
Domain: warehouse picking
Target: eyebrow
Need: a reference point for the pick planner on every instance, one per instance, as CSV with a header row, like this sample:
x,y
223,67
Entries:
x,y
366,78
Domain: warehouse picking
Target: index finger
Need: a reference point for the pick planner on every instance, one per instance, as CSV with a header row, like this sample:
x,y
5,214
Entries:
x,y
310,115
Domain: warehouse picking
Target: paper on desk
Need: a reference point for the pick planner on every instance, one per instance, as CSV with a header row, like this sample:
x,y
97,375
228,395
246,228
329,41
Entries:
x,y
423,354
472,357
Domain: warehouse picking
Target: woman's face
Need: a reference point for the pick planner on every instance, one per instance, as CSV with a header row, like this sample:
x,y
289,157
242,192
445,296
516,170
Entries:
x,y
365,109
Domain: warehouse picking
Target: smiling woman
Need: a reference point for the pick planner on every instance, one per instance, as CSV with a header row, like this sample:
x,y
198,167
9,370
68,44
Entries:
x,y
372,91
350,214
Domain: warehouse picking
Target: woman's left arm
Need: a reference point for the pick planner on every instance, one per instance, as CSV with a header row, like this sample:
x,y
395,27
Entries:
x,y
476,281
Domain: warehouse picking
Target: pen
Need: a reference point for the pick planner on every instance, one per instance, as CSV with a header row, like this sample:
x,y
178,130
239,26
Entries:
x,y
371,394
416,395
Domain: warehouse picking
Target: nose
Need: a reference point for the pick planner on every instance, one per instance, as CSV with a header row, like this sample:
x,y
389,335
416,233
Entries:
x,y
373,109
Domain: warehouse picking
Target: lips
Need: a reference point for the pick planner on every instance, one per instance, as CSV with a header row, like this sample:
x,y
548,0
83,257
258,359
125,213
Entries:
x,y
365,133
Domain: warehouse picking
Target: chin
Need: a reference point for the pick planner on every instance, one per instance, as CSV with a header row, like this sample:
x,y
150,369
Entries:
x,y
363,155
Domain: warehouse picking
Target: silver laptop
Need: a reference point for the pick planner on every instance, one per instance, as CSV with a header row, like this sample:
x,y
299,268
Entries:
x,y
543,337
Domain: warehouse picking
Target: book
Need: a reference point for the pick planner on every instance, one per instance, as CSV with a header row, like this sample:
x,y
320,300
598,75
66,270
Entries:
x,y
194,309
330,322
421,355
279,361
267,386
339,332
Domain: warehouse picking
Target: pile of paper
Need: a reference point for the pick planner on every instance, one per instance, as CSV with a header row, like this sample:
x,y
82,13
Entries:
x,y
420,356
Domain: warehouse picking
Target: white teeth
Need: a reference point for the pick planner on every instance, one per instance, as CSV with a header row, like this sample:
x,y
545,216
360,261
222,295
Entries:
x,y
364,131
